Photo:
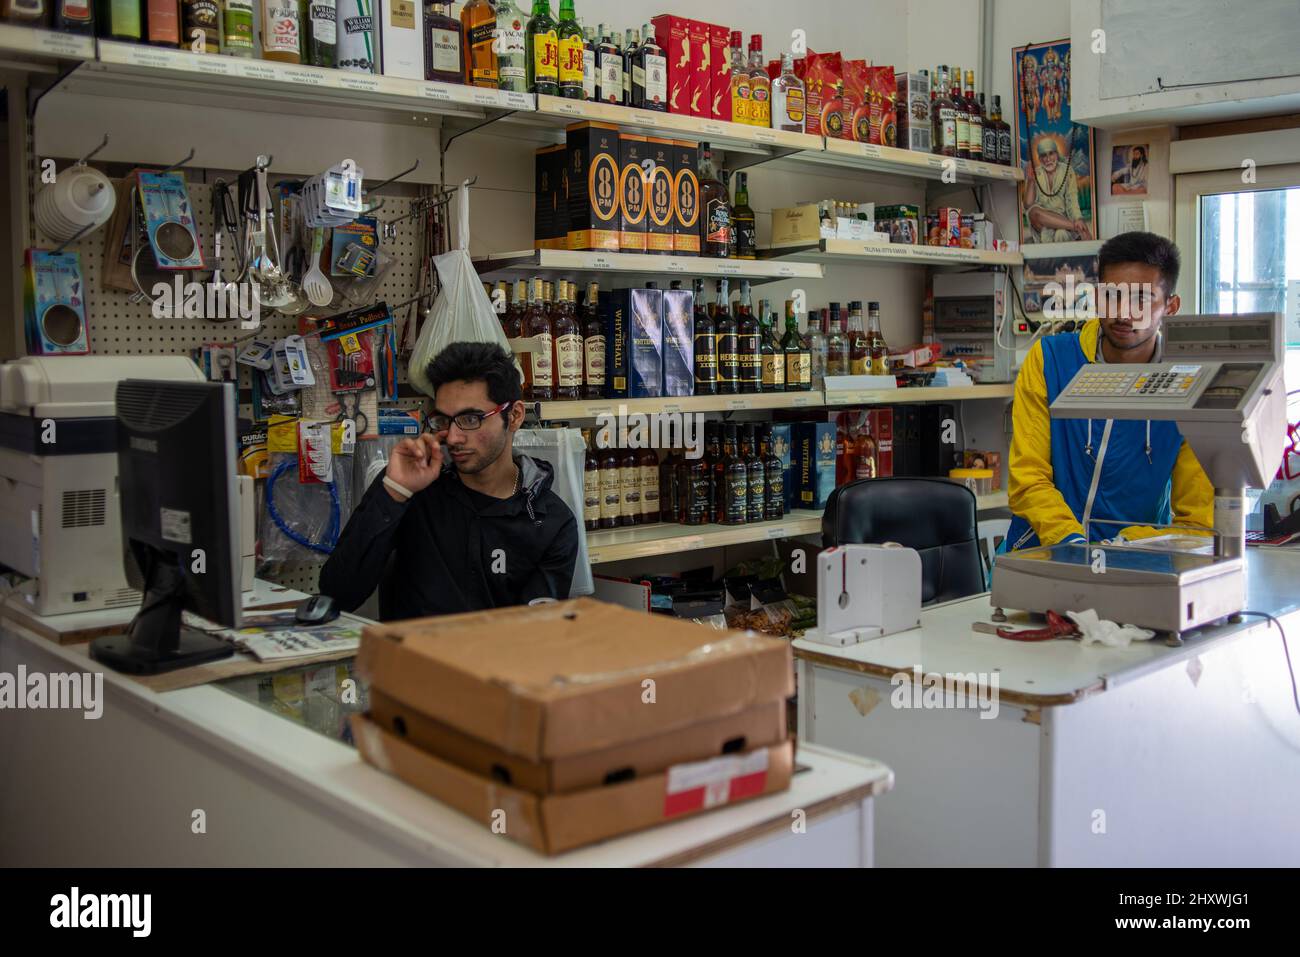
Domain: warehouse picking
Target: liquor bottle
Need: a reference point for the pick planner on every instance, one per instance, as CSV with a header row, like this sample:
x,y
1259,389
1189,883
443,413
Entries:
x,y
859,346
478,22
798,365
749,343
989,141
773,477
25,13
648,464
695,485
715,211
789,100
236,27
837,344
650,74
630,43
743,221
760,85
590,484
862,458
444,44
610,86
500,299
963,117
629,470
200,23
543,56
568,345
713,459
320,33
740,91
611,486
670,489
817,346
726,177
537,325
590,71
568,36
78,16
975,117
727,331
735,481
943,117
706,346
879,350
757,479
162,23
511,48
1004,133
773,355
593,345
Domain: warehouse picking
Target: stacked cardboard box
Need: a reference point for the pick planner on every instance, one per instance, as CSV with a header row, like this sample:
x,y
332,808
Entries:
x,y
569,723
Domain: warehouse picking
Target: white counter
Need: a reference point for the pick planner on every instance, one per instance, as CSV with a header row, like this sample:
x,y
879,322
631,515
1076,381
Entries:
x,y
1146,755
124,790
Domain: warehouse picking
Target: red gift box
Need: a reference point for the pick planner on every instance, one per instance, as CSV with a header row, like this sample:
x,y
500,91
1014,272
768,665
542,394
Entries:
x,y
720,84
673,35
701,82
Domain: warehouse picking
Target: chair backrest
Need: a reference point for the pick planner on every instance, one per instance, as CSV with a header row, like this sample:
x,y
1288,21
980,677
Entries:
x,y
992,532
934,516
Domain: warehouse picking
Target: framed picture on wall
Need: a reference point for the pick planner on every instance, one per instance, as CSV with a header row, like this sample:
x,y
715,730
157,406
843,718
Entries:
x,y
1128,169
1058,202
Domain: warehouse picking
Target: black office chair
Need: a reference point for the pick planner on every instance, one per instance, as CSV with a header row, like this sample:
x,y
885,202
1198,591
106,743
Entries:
x,y
934,516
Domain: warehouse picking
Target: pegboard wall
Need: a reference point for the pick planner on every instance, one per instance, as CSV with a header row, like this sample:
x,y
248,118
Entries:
x,y
117,325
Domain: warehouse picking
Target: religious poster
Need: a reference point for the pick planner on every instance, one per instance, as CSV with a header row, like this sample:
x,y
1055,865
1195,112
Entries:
x,y
1058,202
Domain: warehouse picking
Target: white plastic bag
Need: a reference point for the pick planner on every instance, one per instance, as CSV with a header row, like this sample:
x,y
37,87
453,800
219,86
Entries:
x,y
462,313
566,453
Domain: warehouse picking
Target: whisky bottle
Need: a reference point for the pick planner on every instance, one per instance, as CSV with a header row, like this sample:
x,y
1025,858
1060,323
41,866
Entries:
x,y
537,325
590,72
200,21
629,469
697,484
443,41
715,209
568,345
975,118
837,344
162,27
727,332
671,489
610,89
1004,133
593,345
740,91
631,41
760,85
789,100
749,343
500,299
478,22
742,221
962,115
773,477
543,56
569,46
735,481
773,355
650,74
879,350
648,462
798,365
512,48
817,346
943,114
859,346
611,486
989,139
590,484
757,478
706,346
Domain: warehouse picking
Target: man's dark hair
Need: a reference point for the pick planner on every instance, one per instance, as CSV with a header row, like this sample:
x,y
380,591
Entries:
x,y
1146,248
477,362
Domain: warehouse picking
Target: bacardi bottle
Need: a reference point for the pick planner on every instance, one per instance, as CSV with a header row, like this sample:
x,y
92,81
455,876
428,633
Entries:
x,y
512,48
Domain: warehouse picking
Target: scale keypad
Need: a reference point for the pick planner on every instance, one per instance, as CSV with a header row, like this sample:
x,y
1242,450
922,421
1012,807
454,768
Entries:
x,y
1108,382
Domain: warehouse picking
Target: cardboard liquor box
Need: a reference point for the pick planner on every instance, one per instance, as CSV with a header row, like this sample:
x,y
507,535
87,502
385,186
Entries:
x,y
720,80
686,198
760,726
679,342
659,197
913,106
632,199
937,429
860,433
551,212
613,310
562,679
592,169
699,92
401,38
672,33
561,822
643,311
781,448
907,440
814,455
796,226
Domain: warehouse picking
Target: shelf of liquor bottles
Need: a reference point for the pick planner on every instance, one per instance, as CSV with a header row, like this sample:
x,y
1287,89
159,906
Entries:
x,y
594,408
890,159
853,251
30,46
647,541
150,72
633,269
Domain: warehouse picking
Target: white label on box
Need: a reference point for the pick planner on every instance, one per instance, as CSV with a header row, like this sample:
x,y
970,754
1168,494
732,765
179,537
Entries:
x,y
715,776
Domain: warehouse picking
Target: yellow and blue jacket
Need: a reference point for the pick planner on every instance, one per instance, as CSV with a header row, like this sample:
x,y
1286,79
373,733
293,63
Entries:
x,y
1149,474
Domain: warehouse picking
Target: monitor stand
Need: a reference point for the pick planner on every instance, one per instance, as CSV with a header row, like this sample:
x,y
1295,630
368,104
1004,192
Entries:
x,y
156,641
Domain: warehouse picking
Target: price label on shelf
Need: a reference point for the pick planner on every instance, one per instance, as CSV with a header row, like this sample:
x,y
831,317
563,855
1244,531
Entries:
x,y
593,557
736,404
598,410
570,107
716,129
304,77
935,162
785,272
729,269
63,44
146,57
600,262
215,65
801,400
484,97
256,71
672,408
871,151
765,136
778,532
518,101
362,83
674,265
645,119
436,91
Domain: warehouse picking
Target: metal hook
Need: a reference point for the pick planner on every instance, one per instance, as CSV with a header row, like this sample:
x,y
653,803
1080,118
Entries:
x,y
176,166
394,179
91,155
74,237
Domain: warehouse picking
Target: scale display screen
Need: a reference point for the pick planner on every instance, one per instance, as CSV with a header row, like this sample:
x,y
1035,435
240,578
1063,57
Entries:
x,y
1234,331
1229,386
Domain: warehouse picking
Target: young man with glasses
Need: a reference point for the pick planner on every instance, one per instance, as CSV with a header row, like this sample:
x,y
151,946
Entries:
x,y
1065,472
457,522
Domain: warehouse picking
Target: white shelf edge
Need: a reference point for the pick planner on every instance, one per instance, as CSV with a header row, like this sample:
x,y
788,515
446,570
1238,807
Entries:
x,y
929,165
796,522
564,259
1086,247
829,250
45,43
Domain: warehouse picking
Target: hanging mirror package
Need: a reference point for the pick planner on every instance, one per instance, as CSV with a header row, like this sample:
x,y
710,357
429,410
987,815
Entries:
x,y
54,304
169,220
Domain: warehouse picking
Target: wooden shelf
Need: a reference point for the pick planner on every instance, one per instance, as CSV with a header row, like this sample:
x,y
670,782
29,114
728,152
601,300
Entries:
x,y
998,390
633,269
851,251
899,162
30,46
646,541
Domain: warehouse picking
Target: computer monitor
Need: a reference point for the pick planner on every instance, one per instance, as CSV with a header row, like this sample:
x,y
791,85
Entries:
x,y
180,522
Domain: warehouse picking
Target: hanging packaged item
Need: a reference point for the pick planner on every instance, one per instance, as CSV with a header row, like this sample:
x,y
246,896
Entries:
x,y
169,220
566,453
357,50
54,304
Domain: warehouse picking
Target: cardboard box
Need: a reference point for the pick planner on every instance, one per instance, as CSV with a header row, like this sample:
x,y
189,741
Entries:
x,y
561,822
796,226
699,92
852,427
814,453
760,726
907,440
819,72
882,95
912,106
949,226
935,456
562,679
593,180
632,211
402,38
613,318
720,82
976,459
551,211
781,448
686,198
659,212
644,312
673,35
679,342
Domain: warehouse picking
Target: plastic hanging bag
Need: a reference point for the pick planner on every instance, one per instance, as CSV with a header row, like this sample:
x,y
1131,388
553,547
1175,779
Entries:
x,y
566,453
462,313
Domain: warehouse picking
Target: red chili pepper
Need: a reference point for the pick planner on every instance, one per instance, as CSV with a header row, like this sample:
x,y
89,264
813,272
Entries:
x,y
1057,627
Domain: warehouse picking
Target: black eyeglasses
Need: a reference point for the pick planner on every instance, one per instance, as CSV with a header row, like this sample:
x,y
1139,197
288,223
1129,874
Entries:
x,y
465,421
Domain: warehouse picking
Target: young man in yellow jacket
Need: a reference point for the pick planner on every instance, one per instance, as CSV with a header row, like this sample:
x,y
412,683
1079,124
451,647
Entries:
x,y
1065,473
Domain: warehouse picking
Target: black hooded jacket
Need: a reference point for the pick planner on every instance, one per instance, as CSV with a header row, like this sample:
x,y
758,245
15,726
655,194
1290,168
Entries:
x,y
450,549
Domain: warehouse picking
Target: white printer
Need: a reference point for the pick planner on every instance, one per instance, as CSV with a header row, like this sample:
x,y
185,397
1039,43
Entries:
x,y
59,516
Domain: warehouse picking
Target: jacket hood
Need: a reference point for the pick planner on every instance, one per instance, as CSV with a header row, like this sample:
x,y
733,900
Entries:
x,y
535,475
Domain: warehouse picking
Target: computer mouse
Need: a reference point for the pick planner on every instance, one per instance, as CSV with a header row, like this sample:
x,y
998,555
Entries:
x,y
316,610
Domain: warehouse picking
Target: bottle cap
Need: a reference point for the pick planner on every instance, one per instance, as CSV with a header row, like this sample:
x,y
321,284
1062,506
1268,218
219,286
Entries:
x,y
737,38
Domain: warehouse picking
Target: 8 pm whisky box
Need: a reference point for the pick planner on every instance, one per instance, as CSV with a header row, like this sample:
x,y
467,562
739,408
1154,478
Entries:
x,y
632,204
593,175
686,198
659,198
551,215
